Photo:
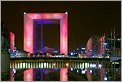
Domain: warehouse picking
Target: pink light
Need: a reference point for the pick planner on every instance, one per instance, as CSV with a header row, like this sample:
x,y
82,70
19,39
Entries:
x,y
64,35
63,74
11,75
28,29
45,15
28,34
28,75
12,41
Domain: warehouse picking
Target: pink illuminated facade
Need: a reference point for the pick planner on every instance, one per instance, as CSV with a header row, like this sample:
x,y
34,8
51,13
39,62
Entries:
x,y
29,34
63,74
28,29
12,41
28,75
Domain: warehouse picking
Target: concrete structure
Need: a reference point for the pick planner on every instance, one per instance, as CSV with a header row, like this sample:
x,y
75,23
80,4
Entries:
x,y
29,34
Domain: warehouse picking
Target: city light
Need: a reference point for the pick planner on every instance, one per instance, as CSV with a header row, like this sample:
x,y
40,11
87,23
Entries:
x,y
24,12
54,64
83,48
100,65
14,70
105,78
67,64
83,71
90,71
66,13
77,71
71,53
71,69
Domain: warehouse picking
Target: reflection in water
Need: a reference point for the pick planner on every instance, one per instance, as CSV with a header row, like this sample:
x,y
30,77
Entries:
x,y
82,74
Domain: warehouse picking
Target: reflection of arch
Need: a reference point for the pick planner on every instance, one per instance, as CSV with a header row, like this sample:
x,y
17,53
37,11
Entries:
x,y
92,46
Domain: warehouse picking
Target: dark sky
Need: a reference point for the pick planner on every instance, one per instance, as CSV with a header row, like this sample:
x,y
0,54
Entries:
x,y
85,19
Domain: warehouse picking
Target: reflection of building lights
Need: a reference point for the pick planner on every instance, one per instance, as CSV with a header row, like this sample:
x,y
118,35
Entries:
x,y
90,71
71,69
90,50
83,71
14,70
77,71
100,65
105,78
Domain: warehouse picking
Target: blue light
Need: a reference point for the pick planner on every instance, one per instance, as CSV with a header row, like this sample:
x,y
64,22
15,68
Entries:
x,y
55,51
55,68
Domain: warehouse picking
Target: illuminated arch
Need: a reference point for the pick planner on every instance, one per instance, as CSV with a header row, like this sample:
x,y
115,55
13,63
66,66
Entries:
x,y
29,35
28,29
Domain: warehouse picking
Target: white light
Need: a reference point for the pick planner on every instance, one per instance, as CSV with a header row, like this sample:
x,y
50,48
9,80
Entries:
x,y
44,65
71,69
105,43
105,78
100,65
83,48
90,50
83,71
90,71
92,65
71,53
14,70
66,13
77,71
24,12
118,39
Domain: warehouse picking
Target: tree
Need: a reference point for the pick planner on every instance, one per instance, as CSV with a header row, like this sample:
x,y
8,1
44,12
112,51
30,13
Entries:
x,y
4,45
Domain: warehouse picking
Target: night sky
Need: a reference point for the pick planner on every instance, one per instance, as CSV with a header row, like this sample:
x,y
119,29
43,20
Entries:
x,y
85,19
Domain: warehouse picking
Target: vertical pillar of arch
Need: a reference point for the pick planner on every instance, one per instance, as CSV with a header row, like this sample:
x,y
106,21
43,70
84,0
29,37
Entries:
x,y
64,34
28,75
64,44
63,74
28,34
